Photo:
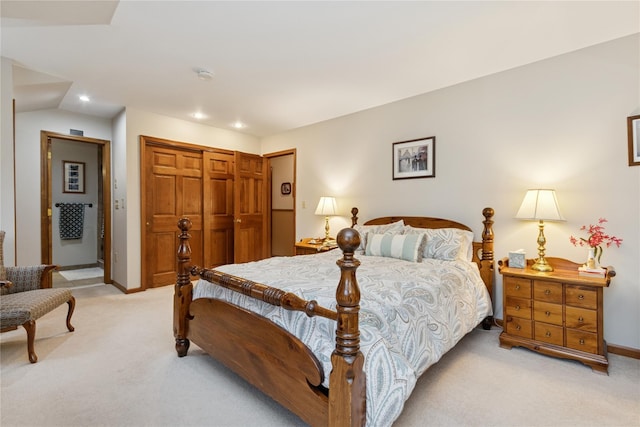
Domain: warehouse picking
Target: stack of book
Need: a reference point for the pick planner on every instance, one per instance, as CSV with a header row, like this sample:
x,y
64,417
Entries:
x,y
592,272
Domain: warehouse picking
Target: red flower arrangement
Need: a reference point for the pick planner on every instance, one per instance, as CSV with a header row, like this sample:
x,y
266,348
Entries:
x,y
596,238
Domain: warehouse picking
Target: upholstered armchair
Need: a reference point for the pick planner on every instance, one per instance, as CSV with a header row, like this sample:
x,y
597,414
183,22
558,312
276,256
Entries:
x,y
23,299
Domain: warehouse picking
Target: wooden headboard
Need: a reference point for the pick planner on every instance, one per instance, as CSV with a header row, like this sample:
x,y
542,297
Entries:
x,y
482,251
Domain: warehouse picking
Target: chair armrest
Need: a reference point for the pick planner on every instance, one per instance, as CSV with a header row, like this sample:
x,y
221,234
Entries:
x,y
26,278
5,284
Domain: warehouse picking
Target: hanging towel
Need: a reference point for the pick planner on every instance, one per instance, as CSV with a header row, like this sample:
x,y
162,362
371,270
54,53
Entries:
x,y
71,220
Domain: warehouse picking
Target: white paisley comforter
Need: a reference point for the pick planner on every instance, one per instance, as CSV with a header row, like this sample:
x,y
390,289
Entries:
x,y
410,314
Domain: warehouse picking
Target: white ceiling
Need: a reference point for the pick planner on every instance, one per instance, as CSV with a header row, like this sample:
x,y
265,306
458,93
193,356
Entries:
x,y
280,65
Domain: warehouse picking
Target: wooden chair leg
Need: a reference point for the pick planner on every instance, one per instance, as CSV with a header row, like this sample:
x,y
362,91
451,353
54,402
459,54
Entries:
x,y
72,306
30,327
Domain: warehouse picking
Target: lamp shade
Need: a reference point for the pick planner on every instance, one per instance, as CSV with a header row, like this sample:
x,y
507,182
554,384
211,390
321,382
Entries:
x,y
327,206
540,205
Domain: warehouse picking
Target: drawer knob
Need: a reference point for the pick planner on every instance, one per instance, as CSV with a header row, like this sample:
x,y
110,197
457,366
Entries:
x,y
548,334
548,313
581,341
581,297
517,308
518,327
581,319
517,287
547,292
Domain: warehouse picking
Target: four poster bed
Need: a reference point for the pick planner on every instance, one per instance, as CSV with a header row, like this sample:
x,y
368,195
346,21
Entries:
x,y
333,349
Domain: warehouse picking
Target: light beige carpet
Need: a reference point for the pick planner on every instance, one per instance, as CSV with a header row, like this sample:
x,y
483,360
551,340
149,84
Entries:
x,y
119,368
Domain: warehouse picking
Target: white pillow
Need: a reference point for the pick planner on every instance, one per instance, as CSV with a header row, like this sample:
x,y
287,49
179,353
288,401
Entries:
x,y
446,244
393,228
409,247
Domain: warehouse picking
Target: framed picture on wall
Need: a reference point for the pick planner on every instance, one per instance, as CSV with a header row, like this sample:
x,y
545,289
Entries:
x,y
415,158
633,129
72,177
285,188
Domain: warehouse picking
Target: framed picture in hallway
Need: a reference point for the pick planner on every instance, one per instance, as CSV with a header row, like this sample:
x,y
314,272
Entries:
x,y
72,177
414,158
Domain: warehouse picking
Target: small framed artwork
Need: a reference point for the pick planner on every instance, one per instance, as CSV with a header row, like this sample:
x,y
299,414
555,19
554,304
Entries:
x,y
285,188
633,129
415,158
72,177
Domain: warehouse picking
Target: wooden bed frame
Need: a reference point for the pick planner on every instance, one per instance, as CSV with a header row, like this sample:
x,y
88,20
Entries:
x,y
274,360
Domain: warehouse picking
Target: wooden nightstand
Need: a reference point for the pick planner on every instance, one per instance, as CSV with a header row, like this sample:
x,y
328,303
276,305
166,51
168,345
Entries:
x,y
558,313
310,246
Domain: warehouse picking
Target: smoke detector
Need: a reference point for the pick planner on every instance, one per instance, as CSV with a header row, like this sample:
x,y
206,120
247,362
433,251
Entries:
x,y
204,74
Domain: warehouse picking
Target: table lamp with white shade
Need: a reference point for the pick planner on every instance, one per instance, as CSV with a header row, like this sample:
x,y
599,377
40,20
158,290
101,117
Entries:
x,y
540,205
327,207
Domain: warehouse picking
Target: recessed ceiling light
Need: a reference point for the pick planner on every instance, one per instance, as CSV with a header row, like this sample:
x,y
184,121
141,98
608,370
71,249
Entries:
x,y
198,115
84,98
238,125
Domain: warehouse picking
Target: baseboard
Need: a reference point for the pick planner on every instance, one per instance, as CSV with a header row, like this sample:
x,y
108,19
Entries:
x,y
634,353
119,286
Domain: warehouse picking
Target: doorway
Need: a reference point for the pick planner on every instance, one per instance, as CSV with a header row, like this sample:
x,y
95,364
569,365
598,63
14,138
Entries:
x,y
76,207
283,202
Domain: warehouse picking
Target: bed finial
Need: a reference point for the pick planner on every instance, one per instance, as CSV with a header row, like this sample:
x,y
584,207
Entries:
x,y
354,216
182,292
348,240
348,390
487,234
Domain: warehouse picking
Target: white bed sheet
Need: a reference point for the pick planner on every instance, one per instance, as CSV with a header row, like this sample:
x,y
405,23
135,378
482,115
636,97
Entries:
x,y
410,314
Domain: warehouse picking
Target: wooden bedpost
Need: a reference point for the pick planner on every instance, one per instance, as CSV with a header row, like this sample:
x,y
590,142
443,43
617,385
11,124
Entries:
x,y
183,289
486,263
347,389
354,216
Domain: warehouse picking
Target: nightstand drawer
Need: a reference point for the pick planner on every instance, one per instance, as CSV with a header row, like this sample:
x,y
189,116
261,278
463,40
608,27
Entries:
x,y
547,291
518,307
583,341
549,333
517,287
581,318
581,296
519,327
547,312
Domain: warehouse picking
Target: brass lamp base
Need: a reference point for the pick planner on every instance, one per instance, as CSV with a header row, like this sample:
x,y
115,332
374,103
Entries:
x,y
329,241
541,264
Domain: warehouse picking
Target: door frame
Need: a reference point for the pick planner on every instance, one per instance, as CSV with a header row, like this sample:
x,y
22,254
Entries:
x,y
46,198
291,151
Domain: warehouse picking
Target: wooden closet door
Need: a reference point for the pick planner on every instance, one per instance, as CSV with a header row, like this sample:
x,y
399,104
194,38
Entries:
x,y
173,185
251,195
218,208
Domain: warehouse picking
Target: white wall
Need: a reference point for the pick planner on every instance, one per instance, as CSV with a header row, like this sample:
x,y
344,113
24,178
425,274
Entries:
x,y
118,193
149,124
123,132
559,123
7,205
28,127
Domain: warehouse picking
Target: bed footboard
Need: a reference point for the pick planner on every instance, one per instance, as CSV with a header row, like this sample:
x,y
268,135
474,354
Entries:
x,y
266,355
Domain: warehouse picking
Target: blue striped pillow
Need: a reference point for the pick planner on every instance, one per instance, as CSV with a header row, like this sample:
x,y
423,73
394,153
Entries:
x,y
402,246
